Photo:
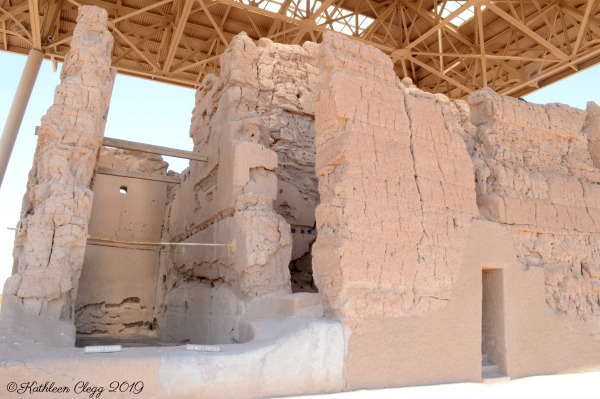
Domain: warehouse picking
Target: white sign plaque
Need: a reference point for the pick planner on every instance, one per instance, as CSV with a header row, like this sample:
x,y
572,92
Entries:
x,y
202,348
102,349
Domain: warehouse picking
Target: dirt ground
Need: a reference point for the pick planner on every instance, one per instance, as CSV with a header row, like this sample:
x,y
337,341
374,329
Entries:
x,y
573,386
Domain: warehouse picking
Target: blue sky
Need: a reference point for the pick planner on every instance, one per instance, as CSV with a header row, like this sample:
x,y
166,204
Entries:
x,y
156,113
140,110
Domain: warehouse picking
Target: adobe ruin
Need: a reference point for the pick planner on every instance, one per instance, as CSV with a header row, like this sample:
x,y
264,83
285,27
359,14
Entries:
x,y
450,231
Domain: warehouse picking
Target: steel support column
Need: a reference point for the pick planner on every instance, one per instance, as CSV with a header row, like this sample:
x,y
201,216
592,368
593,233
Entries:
x,y
17,110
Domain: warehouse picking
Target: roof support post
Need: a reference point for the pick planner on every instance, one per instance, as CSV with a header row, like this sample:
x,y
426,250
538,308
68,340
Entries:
x,y
17,110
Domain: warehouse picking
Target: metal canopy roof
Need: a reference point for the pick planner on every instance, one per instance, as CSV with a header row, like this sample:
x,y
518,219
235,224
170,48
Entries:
x,y
451,47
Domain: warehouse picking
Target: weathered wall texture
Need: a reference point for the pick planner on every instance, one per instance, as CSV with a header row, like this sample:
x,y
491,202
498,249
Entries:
x,y
287,78
133,161
536,172
405,181
535,339
260,104
50,242
117,288
400,252
396,186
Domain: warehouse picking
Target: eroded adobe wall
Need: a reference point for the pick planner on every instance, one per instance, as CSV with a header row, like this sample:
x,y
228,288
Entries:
x,y
400,251
396,185
536,173
50,242
537,180
397,202
255,124
287,78
117,288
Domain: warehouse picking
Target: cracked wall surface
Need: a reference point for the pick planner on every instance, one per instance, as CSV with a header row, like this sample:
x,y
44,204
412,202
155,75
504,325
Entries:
x,y
117,288
51,239
126,317
537,172
287,77
406,180
255,123
396,186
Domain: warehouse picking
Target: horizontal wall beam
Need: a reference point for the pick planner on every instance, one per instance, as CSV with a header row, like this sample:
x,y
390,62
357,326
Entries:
x,y
134,175
152,149
125,246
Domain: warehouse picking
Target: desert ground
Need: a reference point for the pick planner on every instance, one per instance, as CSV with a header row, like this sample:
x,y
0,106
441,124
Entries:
x,y
574,386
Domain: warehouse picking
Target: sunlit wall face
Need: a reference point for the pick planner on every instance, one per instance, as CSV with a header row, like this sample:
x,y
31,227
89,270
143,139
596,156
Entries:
x,y
140,110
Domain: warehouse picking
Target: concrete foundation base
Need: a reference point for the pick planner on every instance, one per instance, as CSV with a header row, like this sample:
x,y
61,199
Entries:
x,y
286,357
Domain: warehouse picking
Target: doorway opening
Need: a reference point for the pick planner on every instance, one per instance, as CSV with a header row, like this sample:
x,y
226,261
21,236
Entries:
x,y
492,324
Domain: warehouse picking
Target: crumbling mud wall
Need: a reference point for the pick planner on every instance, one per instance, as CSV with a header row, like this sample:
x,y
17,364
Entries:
x,y
287,78
117,288
52,234
394,223
396,186
405,181
537,172
404,178
255,124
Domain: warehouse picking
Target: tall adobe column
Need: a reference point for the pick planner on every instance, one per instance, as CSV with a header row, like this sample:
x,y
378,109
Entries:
x,y
51,239
396,188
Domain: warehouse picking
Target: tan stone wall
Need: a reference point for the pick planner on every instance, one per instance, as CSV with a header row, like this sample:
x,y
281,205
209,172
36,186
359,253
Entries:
x,y
400,254
287,79
51,239
406,180
255,124
536,340
397,199
535,173
117,288
396,185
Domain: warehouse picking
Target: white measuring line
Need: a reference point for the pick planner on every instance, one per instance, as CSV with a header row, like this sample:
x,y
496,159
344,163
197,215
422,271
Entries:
x,y
231,245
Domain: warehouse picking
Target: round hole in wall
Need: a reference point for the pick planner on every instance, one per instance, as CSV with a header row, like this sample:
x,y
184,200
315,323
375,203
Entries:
x,y
123,190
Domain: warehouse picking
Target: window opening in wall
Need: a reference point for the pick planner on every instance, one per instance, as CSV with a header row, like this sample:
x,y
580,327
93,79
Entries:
x,y
123,190
301,272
